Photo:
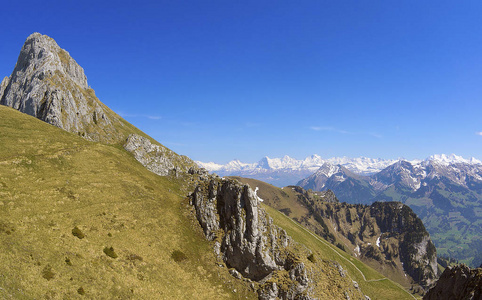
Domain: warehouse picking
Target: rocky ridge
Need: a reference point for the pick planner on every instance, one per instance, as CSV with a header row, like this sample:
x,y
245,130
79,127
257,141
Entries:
x,y
445,192
388,236
458,282
246,238
158,159
388,233
247,241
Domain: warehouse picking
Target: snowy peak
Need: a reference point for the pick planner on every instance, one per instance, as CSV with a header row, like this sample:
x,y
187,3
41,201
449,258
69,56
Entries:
x,y
363,165
328,170
451,159
360,165
287,170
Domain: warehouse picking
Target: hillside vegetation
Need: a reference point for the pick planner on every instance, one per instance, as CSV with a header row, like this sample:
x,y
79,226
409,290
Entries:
x,y
83,219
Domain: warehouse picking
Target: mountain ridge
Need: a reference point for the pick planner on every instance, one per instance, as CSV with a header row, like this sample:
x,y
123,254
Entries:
x,y
445,193
288,171
98,223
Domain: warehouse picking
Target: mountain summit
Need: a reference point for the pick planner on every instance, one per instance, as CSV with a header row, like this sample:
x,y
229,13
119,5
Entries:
x,y
287,170
49,84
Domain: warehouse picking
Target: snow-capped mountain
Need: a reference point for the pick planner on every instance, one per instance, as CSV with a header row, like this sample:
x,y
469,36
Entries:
x,y
287,170
444,190
411,175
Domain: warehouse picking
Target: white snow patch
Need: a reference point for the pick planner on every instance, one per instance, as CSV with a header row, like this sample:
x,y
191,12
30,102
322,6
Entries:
x,y
357,250
256,194
378,242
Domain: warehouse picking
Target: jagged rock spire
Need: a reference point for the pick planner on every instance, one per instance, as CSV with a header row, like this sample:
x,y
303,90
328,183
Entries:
x,y
48,84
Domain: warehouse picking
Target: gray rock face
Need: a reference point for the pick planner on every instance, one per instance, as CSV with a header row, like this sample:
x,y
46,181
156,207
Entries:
x,y
48,84
158,159
246,238
459,282
386,233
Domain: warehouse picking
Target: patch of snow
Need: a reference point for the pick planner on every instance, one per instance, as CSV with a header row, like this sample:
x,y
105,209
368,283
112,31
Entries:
x,y
378,242
340,178
445,159
357,250
256,194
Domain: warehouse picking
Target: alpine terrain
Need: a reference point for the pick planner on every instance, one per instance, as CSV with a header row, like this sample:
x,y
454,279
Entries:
x,y
444,191
288,171
388,236
91,207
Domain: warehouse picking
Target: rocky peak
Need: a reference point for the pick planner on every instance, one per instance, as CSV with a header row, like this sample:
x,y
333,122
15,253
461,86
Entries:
x,y
48,84
41,54
458,282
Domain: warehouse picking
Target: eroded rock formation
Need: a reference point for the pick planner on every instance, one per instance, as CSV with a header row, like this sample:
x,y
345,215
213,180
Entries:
x,y
457,283
246,238
156,158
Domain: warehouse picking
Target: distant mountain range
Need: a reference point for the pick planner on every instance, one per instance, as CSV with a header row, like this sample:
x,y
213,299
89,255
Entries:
x,y
288,171
444,191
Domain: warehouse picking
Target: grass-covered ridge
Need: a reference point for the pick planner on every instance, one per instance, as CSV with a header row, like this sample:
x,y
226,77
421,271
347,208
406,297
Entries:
x,y
372,283
85,220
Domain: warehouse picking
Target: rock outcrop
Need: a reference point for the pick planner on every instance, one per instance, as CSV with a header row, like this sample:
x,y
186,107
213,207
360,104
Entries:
x,y
48,84
247,240
388,236
156,158
389,233
457,283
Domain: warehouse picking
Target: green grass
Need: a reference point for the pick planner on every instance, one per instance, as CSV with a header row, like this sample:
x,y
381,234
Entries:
x,y
52,182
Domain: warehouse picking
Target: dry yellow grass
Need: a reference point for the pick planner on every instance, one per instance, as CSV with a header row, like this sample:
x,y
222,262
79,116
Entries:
x,y
53,181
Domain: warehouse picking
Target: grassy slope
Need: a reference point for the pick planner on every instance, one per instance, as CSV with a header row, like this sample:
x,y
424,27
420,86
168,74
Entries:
x,y
372,283
285,198
52,181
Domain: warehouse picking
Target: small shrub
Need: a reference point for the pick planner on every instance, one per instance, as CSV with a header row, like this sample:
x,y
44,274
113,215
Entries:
x,y
47,272
311,258
133,257
78,233
109,251
339,245
68,262
178,256
81,291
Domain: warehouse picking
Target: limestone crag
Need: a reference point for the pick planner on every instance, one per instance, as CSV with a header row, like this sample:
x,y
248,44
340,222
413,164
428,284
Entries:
x,y
157,159
246,238
48,84
459,282
388,236
386,232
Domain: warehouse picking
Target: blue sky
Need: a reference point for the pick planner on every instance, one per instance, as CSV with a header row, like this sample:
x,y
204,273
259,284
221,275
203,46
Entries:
x,y
218,80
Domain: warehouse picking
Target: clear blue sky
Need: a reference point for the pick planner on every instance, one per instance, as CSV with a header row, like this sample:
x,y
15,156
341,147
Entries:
x,y
218,80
